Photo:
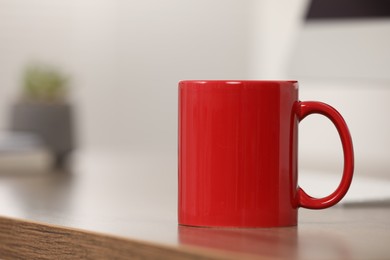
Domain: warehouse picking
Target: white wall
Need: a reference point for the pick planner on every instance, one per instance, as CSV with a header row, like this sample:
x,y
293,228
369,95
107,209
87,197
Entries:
x,y
125,58
350,49
276,26
343,63
30,32
364,106
346,64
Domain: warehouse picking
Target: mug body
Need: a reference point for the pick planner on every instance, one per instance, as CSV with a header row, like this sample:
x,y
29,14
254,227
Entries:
x,y
238,153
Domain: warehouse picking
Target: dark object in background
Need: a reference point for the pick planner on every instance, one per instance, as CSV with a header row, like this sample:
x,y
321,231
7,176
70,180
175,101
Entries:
x,y
348,9
51,121
44,111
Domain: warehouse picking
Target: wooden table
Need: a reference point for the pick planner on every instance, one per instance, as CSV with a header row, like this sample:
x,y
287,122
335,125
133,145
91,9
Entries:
x,y
123,205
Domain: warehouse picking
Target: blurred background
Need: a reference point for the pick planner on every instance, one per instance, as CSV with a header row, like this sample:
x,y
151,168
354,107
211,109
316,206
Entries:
x,y
122,61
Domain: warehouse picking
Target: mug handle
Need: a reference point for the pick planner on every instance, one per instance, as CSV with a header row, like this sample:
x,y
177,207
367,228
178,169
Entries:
x,y
313,107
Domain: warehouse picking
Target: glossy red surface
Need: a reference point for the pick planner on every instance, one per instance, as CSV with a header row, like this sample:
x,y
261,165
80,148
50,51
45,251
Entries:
x,y
238,153
312,107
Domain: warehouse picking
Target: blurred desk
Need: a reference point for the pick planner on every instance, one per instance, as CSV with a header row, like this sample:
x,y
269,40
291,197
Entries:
x,y
124,206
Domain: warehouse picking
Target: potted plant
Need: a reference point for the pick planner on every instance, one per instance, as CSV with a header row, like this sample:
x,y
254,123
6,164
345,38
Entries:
x,y
44,111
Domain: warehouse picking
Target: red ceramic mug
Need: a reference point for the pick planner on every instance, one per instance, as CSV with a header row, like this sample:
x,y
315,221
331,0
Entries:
x,y
238,153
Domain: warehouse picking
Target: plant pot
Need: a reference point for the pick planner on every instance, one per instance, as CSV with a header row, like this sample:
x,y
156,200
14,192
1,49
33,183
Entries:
x,y
53,122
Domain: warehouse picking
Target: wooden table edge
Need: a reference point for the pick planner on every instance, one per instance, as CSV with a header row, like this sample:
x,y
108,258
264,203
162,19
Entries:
x,y
28,239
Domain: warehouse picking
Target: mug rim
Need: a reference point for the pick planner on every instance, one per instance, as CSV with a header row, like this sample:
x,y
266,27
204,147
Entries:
x,y
233,81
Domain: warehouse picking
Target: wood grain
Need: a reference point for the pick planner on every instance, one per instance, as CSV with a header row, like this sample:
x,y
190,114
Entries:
x,y
20,239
